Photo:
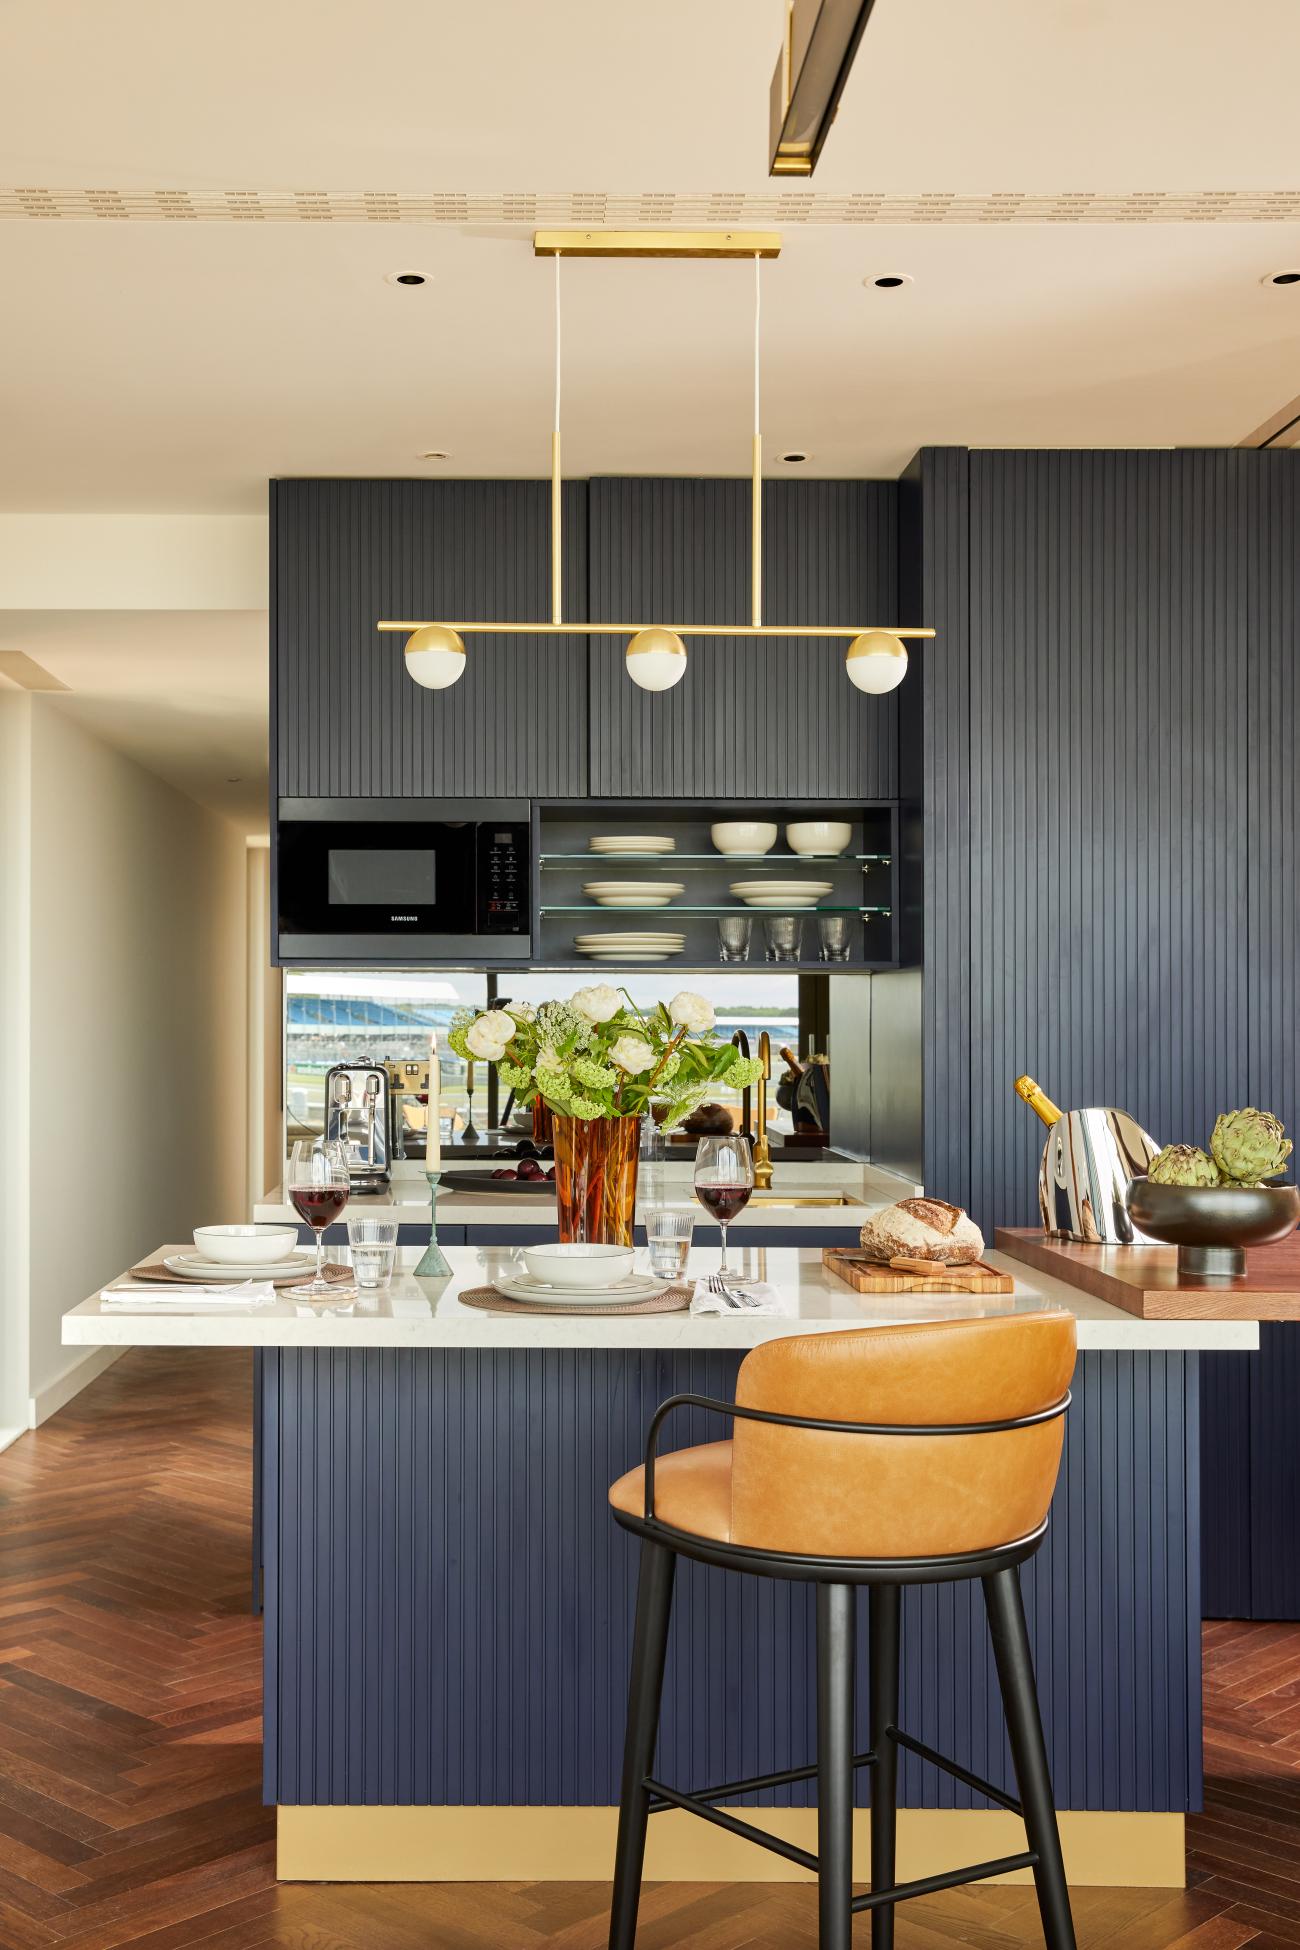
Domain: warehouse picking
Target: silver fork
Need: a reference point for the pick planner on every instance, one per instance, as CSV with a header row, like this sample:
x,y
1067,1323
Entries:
x,y
732,1299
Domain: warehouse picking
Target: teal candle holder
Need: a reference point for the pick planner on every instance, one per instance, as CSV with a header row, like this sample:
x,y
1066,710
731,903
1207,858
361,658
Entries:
x,y
434,1264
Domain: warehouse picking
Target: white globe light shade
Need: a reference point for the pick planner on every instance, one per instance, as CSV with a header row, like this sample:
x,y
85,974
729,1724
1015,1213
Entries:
x,y
435,656
656,659
876,662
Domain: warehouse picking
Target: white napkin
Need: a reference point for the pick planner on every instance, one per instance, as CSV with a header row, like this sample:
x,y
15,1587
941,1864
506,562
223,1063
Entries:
x,y
187,1298
760,1297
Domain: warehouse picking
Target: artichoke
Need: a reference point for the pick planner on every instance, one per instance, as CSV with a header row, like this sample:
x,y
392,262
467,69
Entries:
x,y
1249,1145
1183,1164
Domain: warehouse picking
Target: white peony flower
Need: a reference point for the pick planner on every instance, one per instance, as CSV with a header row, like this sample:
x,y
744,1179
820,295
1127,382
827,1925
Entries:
x,y
633,1054
691,1011
548,1058
597,1004
489,1034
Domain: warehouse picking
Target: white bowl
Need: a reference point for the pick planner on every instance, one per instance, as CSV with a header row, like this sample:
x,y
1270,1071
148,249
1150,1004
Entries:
x,y
749,836
256,1245
578,1264
819,838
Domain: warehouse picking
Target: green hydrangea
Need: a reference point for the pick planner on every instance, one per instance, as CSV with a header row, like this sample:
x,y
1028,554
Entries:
x,y
587,1107
456,1039
744,1073
670,1068
596,1075
514,1075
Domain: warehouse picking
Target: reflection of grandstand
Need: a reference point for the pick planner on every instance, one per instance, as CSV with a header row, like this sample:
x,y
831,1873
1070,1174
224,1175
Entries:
x,y
334,1028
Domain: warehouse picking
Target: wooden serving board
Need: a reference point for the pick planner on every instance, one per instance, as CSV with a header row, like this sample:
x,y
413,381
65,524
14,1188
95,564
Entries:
x,y
1144,1280
866,1275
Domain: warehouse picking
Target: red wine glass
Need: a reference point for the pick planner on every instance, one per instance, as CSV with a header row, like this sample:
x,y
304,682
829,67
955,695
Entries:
x,y
319,1184
724,1179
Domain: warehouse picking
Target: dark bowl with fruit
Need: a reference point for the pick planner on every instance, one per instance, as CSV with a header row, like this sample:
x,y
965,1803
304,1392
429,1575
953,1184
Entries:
x,y
531,1177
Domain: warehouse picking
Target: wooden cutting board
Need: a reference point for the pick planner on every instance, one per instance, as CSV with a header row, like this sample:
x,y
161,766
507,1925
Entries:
x,y
866,1275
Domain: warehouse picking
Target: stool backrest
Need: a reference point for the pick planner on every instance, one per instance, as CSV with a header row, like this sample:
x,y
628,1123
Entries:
x,y
821,1493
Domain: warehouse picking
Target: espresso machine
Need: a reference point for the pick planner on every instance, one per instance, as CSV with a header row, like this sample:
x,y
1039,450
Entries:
x,y
356,1114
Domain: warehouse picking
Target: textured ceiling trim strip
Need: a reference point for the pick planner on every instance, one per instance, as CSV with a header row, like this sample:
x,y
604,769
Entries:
x,y
658,208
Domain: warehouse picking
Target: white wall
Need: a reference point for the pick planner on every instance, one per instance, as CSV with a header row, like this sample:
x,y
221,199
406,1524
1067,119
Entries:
x,y
15,747
136,1118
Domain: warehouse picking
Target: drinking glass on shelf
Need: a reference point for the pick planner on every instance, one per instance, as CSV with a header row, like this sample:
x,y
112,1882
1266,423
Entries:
x,y
724,1179
733,937
374,1248
833,937
318,1188
784,933
668,1230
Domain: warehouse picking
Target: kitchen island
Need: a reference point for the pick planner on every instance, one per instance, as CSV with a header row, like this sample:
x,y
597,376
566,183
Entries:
x,y
448,1604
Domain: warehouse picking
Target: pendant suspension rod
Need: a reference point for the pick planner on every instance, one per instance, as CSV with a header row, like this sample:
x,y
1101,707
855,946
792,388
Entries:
x,y
557,573
756,540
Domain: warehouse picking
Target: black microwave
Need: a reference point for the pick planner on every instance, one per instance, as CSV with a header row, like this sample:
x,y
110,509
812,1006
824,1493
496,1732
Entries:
x,y
403,879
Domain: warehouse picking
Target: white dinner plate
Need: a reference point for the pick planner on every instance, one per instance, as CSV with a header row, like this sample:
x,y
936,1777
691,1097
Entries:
x,y
616,957
521,1286
747,887
783,903
647,939
631,843
192,1266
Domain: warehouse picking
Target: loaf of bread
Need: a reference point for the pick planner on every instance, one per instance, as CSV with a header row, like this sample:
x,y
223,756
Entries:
x,y
923,1228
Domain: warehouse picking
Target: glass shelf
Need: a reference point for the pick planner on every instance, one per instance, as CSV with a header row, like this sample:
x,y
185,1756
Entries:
x,y
698,862
682,907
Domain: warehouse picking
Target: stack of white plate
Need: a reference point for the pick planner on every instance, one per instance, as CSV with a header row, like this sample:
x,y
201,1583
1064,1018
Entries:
x,y
646,946
522,1286
633,893
285,1271
631,843
784,894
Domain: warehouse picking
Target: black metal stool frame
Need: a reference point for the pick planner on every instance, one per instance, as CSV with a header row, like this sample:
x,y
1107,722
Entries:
x,y
642,1794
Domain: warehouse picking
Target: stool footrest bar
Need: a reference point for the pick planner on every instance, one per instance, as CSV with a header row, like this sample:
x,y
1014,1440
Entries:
x,y
758,1782
732,1823
950,1879
958,1772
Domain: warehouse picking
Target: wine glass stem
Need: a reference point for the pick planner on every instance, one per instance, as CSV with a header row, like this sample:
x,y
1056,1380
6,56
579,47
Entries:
x,y
320,1255
722,1227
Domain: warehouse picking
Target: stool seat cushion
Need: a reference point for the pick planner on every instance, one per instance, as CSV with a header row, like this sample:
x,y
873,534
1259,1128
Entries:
x,y
692,1491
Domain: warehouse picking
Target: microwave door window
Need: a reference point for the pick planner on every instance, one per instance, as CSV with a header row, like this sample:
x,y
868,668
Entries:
x,y
392,877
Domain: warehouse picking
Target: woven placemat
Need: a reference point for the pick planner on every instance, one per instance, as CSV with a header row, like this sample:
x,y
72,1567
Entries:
x,y
155,1270
674,1300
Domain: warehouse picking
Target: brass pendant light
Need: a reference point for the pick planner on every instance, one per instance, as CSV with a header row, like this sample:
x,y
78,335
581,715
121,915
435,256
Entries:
x,y
655,657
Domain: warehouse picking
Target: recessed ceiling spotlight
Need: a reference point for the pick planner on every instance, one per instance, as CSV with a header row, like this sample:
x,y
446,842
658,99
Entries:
x,y
406,277
1282,277
890,280
434,453
795,459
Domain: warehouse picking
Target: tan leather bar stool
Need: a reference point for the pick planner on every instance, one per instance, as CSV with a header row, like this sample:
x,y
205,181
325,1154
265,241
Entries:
x,y
896,1456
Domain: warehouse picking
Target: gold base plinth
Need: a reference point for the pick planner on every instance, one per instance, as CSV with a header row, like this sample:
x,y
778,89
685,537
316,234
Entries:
x,y
1136,1851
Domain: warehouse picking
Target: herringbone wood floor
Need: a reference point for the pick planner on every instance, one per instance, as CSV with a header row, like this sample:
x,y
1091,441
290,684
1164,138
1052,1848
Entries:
x,y
129,1802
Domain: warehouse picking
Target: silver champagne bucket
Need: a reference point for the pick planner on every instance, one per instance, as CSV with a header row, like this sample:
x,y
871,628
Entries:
x,y
1089,1161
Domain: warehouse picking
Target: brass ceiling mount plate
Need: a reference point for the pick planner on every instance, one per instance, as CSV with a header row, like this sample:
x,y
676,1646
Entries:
x,y
657,243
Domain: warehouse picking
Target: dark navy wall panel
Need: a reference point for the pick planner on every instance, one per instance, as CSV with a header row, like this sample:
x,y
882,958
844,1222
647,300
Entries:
x,y
349,721
761,719
449,1603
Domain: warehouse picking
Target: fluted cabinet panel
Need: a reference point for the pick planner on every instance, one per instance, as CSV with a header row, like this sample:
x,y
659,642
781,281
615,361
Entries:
x,y
764,719
449,1602
348,720
1098,807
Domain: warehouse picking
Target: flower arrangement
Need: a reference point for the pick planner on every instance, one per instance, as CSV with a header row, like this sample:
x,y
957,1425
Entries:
x,y
599,1055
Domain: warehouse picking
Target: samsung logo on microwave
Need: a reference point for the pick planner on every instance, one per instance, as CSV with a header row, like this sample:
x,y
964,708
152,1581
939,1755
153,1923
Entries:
x,y
403,917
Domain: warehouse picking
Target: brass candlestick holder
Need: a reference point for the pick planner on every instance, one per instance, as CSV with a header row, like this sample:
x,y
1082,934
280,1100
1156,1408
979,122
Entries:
x,y
762,1149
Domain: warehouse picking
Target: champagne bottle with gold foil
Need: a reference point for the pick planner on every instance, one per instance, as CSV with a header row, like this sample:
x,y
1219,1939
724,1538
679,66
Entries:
x,y
1038,1100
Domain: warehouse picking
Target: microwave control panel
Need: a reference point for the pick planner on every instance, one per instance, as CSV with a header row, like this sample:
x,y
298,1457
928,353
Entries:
x,y
503,879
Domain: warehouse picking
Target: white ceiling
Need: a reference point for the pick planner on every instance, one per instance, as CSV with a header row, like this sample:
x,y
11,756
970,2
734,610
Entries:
x,y
181,692
149,364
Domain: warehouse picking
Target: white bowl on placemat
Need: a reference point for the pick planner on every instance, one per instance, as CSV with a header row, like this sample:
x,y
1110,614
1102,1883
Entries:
x,y
246,1245
578,1263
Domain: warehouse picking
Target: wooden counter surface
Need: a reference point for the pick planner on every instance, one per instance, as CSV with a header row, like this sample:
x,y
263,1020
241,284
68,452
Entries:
x,y
1144,1279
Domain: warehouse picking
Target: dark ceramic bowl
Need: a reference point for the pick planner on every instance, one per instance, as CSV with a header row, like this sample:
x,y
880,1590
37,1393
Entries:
x,y
1211,1225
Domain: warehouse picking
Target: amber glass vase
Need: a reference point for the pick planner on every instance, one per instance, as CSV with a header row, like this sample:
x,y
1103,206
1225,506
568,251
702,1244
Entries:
x,y
595,1178
543,1119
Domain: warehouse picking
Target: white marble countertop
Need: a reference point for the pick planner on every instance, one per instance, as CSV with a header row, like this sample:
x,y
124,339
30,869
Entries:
x,y
865,1185
428,1313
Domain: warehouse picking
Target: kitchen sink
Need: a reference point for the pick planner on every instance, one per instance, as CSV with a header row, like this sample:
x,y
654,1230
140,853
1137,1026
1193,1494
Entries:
x,y
803,1198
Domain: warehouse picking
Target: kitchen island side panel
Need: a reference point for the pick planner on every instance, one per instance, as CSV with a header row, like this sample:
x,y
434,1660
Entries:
x,y
449,1603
